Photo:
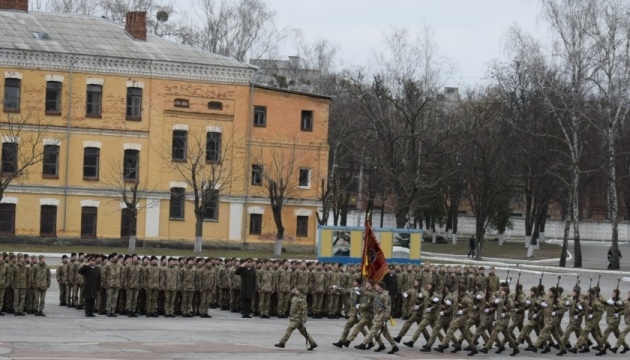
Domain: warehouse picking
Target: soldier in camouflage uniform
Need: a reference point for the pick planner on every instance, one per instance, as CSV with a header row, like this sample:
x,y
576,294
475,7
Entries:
x,y
19,282
355,295
621,340
517,315
112,276
283,288
224,284
297,316
576,316
462,305
152,285
552,309
70,280
4,281
533,316
133,276
431,307
427,277
504,306
187,277
41,278
334,279
79,297
59,275
265,284
29,299
593,311
235,288
101,301
614,312
207,281
443,318
408,301
169,278
382,308
417,296
318,288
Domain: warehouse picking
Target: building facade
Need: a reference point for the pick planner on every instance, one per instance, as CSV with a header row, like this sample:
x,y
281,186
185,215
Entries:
x,y
107,113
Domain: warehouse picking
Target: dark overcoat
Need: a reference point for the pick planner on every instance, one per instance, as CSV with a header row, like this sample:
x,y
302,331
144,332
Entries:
x,y
248,281
92,283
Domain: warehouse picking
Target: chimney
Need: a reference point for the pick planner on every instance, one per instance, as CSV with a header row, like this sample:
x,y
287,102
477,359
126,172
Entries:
x,y
20,5
136,25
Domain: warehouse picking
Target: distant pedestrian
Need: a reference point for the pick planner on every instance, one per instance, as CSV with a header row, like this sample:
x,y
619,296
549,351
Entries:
x,y
472,246
610,257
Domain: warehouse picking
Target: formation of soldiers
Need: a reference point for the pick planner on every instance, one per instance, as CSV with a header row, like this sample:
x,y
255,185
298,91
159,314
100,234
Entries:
x,y
440,301
24,281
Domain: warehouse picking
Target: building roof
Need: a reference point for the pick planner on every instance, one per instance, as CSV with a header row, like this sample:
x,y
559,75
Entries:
x,y
69,34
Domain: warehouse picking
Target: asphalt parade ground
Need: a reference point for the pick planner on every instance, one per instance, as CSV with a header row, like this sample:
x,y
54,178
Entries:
x,y
65,333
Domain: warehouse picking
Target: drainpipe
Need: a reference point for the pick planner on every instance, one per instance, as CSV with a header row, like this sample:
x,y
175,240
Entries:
x,y
248,162
65,186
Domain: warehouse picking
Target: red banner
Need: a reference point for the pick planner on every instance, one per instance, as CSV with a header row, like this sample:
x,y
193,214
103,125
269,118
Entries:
x,y
374,264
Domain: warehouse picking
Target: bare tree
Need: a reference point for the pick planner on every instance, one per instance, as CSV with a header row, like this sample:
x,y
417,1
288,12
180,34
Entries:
x,y
83,7
22,135
280,163
205,162
235,29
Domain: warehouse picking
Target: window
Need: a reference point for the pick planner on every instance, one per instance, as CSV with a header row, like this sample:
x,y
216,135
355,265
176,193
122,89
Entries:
x,y
302,226
260,116
53,97
131,163
48,220
51,161
180,144
127,221
306,124
12,95
257,175
9,157
88,222
90,162
255,224
213,147
183,103
94,100
178,197
305,178
134,103
215,105
7,219
210,204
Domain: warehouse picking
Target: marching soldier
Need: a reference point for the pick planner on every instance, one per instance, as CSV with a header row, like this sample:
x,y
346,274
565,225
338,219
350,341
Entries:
x,y
382,308
355,295
614,311
443,319
431,310
621,340
463,304
533,315
592,311
416,296
576,316
366,315
504,306
297,316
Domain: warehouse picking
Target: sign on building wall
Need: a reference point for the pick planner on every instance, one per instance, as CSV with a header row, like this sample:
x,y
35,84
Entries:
x,y
344,244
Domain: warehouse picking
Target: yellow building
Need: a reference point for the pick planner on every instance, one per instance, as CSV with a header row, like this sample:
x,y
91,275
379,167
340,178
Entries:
x,y
109,108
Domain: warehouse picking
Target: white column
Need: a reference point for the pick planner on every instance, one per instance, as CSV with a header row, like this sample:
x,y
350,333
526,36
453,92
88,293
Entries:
x,y
152,223
236,221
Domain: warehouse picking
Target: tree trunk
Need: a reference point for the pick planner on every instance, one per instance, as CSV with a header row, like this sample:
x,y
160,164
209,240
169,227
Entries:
x,y
575,219
480,230
613,204
198,232
132,243
277,217
132,236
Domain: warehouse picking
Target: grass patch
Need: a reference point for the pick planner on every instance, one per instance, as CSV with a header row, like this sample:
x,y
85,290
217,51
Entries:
x,y
509,250
254,253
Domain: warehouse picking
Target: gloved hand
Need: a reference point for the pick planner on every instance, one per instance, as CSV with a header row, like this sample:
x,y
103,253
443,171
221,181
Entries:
x,y
616,316
553,313
416,307
610,302
496,301
487,311
476,307
420,296
435,300
503,315
358,292
567,303
405,295
356,288
429,309
535,316
580,307
575,317
528,302
619,302
590,316
334,286
448,302
478,297
357,306
544,304
441,313
460,312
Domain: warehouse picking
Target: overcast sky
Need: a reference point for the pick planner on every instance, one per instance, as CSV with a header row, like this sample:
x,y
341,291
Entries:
x,y
468,32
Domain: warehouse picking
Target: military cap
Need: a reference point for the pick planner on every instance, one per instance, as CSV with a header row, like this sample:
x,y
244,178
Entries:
x,y
534,288
64,256
553,290
577,289
81,254
391,267
41,257
560,289
153,257
73,254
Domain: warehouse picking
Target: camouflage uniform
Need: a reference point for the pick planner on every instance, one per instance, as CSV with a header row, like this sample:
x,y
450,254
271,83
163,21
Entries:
x,y
169,278
443,320
417,311
79,297
297,317
19,282
133,277
59,276
518,301
235,290
593,311
283,287
112,276
335,279
152,285
382,307
318,288
187,277
614,312
207,281
576,317
366,312
621,340
4,281
224,286
41,284
431,310
461,307
534,317
355,295
265,285
504,306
